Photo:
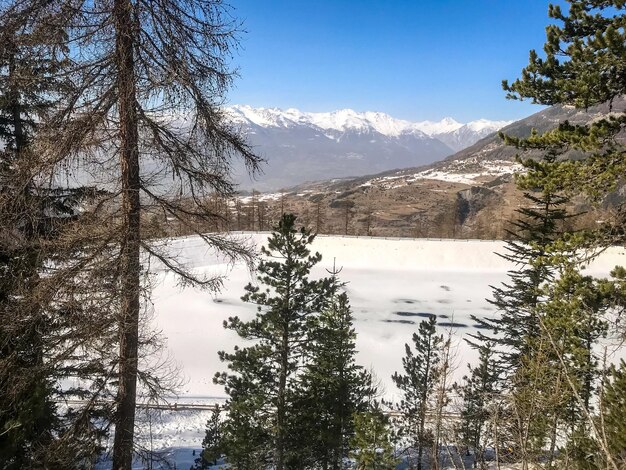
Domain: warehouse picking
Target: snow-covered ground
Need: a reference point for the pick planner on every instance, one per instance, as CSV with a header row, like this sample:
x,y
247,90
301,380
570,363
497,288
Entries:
x,y
392,285
471,171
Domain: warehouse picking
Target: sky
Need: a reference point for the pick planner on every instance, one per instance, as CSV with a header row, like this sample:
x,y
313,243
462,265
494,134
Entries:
x,y
412,59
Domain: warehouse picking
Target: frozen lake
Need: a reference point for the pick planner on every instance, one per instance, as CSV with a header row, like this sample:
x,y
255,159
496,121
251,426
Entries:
x,y
392,285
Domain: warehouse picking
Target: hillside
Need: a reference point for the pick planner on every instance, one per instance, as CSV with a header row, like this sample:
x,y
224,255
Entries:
x,y
470,194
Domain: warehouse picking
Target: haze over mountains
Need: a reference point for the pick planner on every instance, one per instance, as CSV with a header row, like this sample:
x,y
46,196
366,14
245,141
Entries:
x,y
301,146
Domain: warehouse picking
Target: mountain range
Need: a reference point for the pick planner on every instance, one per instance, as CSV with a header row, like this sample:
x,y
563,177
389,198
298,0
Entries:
x,y
300,146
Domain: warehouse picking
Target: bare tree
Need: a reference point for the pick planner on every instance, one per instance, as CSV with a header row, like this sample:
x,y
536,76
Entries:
x,y
143,120
368,218
47,320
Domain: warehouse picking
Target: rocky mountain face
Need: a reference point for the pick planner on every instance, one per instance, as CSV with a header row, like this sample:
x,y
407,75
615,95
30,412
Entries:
x,y
470,194
301,147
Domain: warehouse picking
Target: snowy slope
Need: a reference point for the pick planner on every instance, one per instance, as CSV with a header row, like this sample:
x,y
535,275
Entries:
x,y
472,171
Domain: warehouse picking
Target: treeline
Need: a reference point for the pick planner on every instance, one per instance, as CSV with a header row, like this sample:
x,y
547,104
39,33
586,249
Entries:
x,y
297,397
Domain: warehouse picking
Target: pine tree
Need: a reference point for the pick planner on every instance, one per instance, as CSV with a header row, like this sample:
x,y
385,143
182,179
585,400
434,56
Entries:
x,y
613,413
477,393
583,66
332,388
573,319
511,332
263,381
421,369
212,444
523,364
551,319
372,445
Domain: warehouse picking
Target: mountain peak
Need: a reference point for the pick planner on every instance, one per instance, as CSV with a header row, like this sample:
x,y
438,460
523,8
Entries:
x,y
345,120
448,121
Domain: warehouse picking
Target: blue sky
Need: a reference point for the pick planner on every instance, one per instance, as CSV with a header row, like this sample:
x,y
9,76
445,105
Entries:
x,y
413,59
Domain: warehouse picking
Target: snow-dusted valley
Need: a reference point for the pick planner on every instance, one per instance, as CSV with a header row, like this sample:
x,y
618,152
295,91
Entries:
x,y
301,146
392,284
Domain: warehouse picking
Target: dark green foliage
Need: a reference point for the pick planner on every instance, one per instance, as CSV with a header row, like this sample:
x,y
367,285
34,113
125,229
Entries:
x,y
247,431
332,388
421,371
584,53
574,315
513,329
372,445
477,393
212,444
613,409
550,320
583,65
263,379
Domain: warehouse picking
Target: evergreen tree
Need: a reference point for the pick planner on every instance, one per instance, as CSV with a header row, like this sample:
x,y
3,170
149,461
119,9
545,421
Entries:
x,y
332,387
247,430
264,379
421,369
583,66
512,331
212,444
551,318
573,319
613,413
372,445
477,393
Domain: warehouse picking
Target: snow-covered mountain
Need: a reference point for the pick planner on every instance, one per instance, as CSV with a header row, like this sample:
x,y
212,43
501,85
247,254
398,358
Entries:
x,y
301,146
347,120
459,136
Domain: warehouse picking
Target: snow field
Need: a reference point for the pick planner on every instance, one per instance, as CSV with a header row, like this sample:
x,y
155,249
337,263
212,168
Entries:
x,y
392,284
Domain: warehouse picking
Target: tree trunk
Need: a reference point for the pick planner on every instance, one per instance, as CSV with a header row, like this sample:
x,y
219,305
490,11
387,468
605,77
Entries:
x,y
422,408
280,408
130,266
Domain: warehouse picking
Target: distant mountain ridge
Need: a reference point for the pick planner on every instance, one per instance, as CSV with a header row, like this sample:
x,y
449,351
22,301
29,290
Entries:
x,y
301,146
345,120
